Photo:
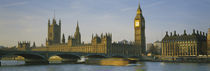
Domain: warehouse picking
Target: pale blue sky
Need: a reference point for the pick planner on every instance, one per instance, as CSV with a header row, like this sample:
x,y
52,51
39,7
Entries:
x,y
27,19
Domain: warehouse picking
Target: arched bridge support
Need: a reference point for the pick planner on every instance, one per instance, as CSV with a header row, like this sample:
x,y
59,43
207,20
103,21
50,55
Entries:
x,y
68,58
95,56
32,58
36,61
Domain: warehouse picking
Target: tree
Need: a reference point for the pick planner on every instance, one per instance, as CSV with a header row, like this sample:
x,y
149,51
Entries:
x,y
153,50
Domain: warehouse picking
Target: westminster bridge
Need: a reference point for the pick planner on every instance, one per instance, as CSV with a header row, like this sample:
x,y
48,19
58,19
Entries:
x,y
42,57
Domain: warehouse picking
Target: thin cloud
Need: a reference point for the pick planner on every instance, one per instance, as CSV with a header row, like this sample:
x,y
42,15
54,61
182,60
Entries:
x,y
126,9
14,4
155,4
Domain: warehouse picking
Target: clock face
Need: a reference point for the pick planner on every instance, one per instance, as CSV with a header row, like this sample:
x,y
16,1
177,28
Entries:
x,y
136,24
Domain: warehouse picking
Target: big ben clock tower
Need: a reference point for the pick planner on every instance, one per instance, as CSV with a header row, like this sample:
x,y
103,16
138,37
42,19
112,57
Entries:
x,y
139,27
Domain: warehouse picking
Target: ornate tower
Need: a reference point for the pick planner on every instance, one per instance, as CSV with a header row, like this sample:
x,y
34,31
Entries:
x,y
63,39
77,34
54,33
139,27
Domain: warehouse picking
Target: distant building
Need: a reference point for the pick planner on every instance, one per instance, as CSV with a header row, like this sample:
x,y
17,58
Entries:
x,y
158,46
154,48
123,42
208,41
149,46
184,45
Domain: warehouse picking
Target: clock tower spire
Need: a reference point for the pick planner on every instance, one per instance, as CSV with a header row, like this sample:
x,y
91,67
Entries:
x,y
139,27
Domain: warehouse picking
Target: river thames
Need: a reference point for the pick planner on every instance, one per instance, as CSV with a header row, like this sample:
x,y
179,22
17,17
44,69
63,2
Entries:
x,y
140,66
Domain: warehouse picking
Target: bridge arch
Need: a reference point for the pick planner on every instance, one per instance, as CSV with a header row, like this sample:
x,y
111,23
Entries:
x,y
27,55
95,56
133,57
66,57
30,58
63,55
117,56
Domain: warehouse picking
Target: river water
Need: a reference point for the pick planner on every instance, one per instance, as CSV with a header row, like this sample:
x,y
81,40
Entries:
x,y
140,66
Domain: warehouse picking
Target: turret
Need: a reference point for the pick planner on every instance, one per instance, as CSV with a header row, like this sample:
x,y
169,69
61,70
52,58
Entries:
x,y
69,37
197,32
96,40
193,32
200,33
106,39
71,41
54,21
185,33
48,23
23,46
63,39
34,45
59,22
166,34
54,32
77,35
175,33
92,36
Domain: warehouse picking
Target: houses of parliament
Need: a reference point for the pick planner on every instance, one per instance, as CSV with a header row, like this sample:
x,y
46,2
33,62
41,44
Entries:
x,y
99,43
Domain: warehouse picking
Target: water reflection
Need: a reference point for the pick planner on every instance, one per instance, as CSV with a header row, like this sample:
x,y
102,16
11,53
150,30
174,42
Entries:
x,y
110,65
140,66
114,62
12,62
110,61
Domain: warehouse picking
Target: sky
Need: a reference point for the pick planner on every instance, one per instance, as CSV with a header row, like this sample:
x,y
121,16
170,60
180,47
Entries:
x,y
26,20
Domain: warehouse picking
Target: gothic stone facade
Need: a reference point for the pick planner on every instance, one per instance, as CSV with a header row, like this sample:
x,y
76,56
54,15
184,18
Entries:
x,y
184,45
99,44
54,33
24,45
139,27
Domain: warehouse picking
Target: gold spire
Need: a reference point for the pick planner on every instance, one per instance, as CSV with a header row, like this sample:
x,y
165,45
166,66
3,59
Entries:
x,y
139,9
139,6
77,28
54,21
